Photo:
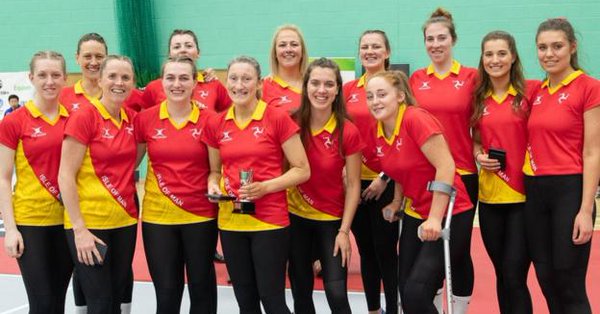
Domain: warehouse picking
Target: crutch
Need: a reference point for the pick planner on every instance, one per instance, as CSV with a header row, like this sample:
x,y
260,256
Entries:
x,y
437,186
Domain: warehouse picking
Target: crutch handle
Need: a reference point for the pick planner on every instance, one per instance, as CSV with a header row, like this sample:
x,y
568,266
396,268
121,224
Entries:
x,y
438,186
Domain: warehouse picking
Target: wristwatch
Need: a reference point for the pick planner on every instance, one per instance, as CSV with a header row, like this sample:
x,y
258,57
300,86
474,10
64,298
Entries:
x,y
384,177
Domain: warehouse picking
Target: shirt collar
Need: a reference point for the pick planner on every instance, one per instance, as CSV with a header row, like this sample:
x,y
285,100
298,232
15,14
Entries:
x,y
380,131
566,81
257,115
36,113
511,91
200,78
454,69
361,81
329,126
285,84
164,113
106,116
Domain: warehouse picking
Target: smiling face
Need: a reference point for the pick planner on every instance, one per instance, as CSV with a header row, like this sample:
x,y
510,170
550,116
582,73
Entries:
x,y
178,81
242,83
438,43
497,59
91,55
383,99
116,81
322,88
47,78
554,52
288,49
183,45
373,52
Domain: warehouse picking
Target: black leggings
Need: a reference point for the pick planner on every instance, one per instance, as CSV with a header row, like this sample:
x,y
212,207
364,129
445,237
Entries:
x,y
471,182
377,242
560,266
256,262
104,285
79,297
422,264
303,234
170,248
45,267
503,232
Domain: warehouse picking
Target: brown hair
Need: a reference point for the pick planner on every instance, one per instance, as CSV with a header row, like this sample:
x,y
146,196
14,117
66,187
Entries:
x,y
386,42
47,54
443,16
118,58
338,107
563,25
91,37
180,59
516,79
273,57
182,32
399,81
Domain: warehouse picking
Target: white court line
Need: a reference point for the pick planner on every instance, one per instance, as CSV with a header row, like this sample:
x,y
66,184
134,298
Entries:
x,y
16,309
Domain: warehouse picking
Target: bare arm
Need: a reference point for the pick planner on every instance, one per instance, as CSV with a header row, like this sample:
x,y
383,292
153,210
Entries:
x,y
583,226
215,171
481,157
13,241
72,156
342,241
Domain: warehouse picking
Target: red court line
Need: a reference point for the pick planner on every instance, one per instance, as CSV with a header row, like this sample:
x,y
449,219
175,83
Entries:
x,y
484,295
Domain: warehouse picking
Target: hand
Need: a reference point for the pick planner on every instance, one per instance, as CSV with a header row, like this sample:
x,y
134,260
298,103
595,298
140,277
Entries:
x,y
85,243
253,191
583,228
491,165
13,243
430,229
342,244
390,210
209,75
214,189
374,190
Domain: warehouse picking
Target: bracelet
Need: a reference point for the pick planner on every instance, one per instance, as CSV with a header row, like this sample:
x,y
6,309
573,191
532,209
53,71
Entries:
x,y
343,231
384,177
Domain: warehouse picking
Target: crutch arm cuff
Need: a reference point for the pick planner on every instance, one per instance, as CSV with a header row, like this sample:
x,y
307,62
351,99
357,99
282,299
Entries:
x,y
439,186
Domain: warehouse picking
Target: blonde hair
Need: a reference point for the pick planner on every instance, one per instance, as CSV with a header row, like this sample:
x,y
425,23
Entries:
x,y
273,58
50,55
399,81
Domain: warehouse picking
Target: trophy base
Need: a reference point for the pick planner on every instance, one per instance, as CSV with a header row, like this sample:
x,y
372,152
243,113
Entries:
x,y
241,207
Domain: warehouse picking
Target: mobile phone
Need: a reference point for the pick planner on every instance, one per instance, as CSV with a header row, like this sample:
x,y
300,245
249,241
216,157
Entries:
x,y
220,197
498,154
102,249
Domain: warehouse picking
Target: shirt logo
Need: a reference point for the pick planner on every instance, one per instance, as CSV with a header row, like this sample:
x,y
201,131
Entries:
x,y
538,100
562,97
458,84
485,111
398,143
257,131
327,141
37,132
129,130
425,85
196,132
226,137
379,151
160,133
203,94
200,105
284,100
353,98
106,133
75,106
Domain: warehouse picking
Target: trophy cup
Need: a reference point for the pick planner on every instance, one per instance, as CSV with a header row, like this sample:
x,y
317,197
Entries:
x,y
241,205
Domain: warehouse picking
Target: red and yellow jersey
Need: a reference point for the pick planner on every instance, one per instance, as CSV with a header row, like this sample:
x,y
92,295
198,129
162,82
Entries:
x,y
356,105
37,143
255,146
135,101
401,158
74,97
449,98
279,94
555,126
322,197
178,167
105,180
211,95
501,126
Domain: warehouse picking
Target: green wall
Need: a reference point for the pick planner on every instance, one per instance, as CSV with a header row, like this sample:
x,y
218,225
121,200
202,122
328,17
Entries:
x,y
331,28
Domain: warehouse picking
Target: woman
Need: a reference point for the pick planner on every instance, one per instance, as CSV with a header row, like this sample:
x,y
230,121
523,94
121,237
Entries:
x,y
179,225
500,126
289,58
445,88
96,182
252,139
323,207
563,169
410,146
209,94
30,139
376,238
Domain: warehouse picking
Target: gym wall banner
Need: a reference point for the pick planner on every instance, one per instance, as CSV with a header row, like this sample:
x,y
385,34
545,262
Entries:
x,y
16,83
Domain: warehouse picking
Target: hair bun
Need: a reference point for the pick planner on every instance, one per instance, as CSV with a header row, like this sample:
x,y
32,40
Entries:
x,y
441,12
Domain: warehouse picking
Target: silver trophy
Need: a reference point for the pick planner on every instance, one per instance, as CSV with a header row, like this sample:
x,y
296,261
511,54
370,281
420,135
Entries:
x,y
241,205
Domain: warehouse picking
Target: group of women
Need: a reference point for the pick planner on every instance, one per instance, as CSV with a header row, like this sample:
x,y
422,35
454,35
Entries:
x,y
290,145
